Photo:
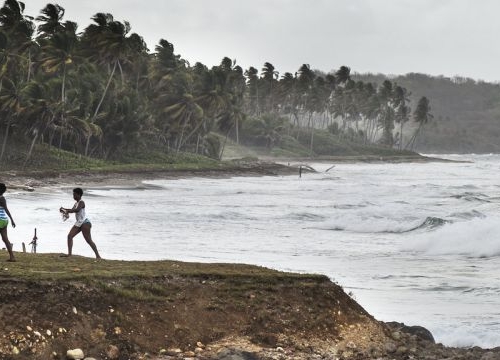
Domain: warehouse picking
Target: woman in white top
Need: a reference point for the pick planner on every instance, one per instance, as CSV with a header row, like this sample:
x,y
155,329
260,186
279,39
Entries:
x,y
82,222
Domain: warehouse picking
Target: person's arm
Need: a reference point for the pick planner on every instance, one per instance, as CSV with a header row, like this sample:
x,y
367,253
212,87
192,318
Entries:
x,y
3,203
81,204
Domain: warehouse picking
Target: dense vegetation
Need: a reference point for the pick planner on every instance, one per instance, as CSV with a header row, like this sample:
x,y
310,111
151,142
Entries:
x,y
100,93
466,112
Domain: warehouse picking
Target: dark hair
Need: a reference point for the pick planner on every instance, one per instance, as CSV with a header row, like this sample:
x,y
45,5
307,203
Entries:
x,y
3,188
79,191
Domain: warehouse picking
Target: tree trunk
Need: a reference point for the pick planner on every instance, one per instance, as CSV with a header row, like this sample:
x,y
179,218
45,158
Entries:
x,y
99,105
5,137
31,147
224,145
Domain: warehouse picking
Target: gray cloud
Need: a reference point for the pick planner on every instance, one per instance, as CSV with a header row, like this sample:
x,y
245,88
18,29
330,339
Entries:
x,y
448,37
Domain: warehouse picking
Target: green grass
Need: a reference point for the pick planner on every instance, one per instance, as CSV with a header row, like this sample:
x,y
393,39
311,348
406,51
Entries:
x,y
54,267
144,280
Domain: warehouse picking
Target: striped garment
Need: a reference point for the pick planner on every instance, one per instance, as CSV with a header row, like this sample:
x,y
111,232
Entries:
x,y
3,214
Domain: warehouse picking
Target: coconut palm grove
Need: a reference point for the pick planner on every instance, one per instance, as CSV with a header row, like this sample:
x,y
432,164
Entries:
x,y
101,93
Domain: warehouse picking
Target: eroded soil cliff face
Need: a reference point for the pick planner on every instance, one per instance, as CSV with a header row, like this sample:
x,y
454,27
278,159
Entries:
x,y
246,313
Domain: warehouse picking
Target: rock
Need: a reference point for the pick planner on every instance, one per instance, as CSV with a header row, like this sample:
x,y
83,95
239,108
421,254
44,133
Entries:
x,y
173,352
401,350
75,354
421,332
235,354
112,352
390,347
74,310
490,356
15,350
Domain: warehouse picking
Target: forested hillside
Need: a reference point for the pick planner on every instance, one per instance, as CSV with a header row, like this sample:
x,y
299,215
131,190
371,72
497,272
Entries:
x,y
99,92
466,113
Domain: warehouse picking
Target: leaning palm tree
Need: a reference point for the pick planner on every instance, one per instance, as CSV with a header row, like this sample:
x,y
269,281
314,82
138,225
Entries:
x,y
10,106
269,77
19,28
400,99
51,21
421,116
59,52
188,114
106,42
343,75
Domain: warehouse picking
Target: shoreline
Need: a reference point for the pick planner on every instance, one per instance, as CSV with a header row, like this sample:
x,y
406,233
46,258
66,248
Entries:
x,y
266,166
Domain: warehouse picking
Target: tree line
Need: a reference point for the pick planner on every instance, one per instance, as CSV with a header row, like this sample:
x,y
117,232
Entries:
x,y
101,92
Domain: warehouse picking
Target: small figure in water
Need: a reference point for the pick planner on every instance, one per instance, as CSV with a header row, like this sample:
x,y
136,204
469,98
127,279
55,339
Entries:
x,y
4,221
82,222
300,171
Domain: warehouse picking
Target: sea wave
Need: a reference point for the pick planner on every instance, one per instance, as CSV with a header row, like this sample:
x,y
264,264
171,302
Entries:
x,y
471,196
477,237
380,224
466,336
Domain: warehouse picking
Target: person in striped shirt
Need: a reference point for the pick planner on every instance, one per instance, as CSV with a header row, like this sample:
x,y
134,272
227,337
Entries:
x,y
4,221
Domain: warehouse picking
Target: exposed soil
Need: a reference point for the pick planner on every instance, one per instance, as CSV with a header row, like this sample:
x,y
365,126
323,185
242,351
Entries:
x,y
207,317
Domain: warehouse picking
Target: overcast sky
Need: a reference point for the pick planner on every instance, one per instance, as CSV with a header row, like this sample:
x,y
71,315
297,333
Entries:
x,y
436,37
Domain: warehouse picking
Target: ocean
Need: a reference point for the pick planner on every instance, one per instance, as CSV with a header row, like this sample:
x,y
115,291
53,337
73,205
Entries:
x,y
417,243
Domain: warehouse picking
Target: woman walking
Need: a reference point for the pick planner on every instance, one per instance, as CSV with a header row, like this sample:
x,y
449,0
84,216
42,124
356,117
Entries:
x,y
4,222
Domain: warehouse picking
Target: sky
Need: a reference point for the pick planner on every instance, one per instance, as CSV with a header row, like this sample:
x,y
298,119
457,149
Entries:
x,y
393,37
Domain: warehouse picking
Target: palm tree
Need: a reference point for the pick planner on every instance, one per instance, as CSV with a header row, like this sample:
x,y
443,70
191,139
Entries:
x,y
269,77
107,41
252,91
59,52
270,128
421,115
50,19
343,75
19,28
188,114
10,105
385,94
402,110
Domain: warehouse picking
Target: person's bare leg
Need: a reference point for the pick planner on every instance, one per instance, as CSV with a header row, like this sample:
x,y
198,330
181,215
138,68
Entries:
x,y
88,239
8,245
72,233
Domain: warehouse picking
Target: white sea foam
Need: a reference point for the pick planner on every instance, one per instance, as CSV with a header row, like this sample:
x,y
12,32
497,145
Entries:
x,y
478,237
